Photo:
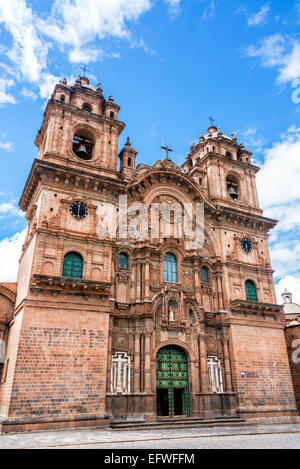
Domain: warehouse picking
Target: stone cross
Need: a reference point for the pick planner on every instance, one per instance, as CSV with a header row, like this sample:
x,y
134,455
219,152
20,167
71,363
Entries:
x,y
84,70
167,151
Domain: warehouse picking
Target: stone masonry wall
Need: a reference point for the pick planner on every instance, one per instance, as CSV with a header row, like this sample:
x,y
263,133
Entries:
x,y
261,353
61,364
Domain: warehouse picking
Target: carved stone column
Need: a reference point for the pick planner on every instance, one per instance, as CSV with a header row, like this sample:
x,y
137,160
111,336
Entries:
x,y
203,360
109,355
197,284
220,291
147,279
133,282
137,363
228,377
138,281
148,362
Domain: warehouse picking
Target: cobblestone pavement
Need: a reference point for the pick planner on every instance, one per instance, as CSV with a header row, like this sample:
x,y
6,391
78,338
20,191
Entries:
x,y
253,436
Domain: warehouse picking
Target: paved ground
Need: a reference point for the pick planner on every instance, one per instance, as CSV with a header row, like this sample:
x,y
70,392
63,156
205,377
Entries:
x,y
285,436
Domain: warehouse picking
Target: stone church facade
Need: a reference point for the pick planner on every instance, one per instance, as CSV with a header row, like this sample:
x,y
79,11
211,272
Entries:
x,y
105,325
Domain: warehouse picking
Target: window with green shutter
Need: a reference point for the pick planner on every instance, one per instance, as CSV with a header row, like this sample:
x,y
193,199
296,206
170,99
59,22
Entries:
x,y
73,265
204,274
170,268
251,293
123,261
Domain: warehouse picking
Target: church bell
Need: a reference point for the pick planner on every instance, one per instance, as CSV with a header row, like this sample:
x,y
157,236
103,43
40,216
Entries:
x,y
232,192
82,153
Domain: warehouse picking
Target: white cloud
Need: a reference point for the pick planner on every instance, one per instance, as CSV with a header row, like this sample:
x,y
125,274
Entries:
x,y
9,209
292,284
209,11
291,68
47,84
249,131
279,193
174,7
10,251
108,19
84,55
252,140
278,52
70,26
5,145
29,51
259,17
271,50
285,255
4,96
280,174
29,94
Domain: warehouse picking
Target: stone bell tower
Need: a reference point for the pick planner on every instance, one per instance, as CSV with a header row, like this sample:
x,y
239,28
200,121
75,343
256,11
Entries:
x,y
57,348
80,128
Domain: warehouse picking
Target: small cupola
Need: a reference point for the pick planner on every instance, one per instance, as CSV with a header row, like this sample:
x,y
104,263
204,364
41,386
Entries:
x,y
127,160
243,154
212,129
287,297
111,108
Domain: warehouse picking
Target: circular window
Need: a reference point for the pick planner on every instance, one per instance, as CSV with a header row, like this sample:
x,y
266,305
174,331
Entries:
x,y
78,210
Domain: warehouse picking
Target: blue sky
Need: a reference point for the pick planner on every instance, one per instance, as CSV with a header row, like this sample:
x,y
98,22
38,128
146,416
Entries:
x,y
169,64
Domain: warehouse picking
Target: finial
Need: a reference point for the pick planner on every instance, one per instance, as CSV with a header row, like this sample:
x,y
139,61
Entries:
x,y
128,144
110,98
99,88
65,81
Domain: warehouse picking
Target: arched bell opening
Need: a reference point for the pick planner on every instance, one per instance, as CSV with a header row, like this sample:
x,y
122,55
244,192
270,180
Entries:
x,y
233,187
172,384
83,144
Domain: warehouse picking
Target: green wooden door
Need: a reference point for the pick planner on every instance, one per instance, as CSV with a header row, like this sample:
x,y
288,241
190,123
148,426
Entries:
x,y
172,375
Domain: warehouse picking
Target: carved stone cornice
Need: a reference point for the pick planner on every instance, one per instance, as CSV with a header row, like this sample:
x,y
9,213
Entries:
x,y
246,219
255,308
42,171
57,285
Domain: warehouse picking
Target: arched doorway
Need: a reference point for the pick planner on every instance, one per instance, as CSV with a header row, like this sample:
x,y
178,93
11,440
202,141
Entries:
x,y
172,392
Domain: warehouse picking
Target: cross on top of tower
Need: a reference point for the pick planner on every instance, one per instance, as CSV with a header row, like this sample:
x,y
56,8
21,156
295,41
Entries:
x,y
211,120
84,68
167,151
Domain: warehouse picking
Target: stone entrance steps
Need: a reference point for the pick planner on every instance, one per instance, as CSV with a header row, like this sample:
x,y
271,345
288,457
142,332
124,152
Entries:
x,y
174,423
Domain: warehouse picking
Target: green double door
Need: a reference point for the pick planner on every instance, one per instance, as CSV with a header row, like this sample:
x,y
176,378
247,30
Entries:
x,y
172,394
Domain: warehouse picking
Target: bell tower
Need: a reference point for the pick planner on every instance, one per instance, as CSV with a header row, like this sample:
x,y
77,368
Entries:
x,y
80,128
58,342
